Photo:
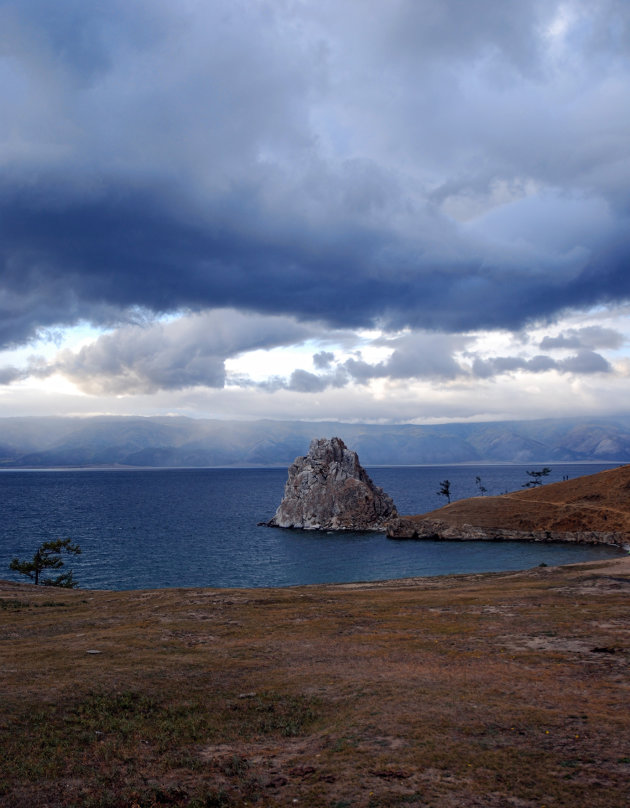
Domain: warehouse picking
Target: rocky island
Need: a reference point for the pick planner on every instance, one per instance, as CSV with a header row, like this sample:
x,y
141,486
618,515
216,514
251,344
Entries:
x,y
594,509
328,489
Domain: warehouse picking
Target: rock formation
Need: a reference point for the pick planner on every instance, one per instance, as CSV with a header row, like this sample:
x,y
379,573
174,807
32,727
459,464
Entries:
x,y
435,529
330,490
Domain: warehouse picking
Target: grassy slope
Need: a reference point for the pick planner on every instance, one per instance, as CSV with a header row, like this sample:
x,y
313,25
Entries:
x,y
494,690
598,502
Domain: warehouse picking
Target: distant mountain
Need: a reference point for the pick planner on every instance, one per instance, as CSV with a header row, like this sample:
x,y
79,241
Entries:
x,y
47,442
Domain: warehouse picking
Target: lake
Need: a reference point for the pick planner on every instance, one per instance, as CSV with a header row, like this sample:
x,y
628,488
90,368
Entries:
x,y
152,528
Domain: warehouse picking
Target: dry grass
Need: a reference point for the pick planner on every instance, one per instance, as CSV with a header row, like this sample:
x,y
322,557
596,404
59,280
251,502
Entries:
x,y
481,690
594,502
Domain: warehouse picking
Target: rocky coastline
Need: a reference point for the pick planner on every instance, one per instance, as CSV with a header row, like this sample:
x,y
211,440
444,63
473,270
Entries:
x,y
436,530
328,489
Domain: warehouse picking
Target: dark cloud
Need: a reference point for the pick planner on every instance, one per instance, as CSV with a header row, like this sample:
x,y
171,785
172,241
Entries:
x,y
35,366
561,342
79,40
73,259
10,374
415,356
497,365
584,362
300,381
306,160
425,356
304,382
323,359
589,338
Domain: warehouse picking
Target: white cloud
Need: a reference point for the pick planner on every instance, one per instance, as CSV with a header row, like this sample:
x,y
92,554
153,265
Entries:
x,y
188,351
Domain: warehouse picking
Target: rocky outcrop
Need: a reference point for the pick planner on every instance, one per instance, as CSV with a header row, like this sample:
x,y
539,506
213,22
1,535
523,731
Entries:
x,y
328,489
414,528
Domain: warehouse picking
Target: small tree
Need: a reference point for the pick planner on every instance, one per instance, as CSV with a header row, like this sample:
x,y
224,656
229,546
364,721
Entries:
x,y
536,477
48,557
445,490
480,487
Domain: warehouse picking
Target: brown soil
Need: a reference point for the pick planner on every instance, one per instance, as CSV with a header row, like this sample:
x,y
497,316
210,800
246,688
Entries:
x,y
596,502
502,690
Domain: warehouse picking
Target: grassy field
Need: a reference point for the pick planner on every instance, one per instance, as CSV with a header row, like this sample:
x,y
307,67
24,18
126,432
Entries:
x,y
506,689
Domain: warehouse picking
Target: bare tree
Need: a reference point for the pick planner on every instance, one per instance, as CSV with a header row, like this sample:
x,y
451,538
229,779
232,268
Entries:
x,y
480,487
445,490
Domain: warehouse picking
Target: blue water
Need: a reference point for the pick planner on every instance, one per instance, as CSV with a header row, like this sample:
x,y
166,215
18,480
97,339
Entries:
x,y
142,529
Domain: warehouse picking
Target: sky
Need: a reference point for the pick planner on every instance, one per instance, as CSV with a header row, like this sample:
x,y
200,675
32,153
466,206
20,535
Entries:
x,y
380,211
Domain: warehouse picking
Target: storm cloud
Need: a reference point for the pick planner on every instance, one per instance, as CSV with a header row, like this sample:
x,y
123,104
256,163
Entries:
x,y
442,166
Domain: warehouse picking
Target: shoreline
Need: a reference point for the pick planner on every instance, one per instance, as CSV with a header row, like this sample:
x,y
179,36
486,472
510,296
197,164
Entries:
x,y
420,529
7,585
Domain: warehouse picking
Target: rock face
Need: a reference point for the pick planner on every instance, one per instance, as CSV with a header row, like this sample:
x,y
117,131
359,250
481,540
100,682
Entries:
x,y
409,528
330,490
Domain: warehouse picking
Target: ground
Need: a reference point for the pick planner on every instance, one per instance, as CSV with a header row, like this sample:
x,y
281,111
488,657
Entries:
x,y
495,690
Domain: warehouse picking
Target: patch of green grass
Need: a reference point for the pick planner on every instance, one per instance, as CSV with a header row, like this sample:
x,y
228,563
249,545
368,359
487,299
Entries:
x,y
98,733
52,604
571,764
393,800
271,713
11,605
108,740
343,744
212,799
235,766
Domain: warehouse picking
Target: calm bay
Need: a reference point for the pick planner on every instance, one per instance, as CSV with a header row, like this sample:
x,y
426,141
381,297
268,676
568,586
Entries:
x,y
153,528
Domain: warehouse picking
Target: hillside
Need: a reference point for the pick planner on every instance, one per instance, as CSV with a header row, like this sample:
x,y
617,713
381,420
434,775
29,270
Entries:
x,y
177,442
596,504
498,690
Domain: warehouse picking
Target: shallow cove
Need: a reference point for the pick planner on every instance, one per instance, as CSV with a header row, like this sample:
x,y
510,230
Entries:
x,y
155,528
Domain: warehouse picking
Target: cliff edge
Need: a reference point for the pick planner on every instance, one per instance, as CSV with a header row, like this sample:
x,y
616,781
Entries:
x,y
594,509
328,489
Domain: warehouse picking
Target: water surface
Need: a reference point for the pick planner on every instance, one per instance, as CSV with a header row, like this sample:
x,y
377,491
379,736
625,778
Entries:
x,y
198,527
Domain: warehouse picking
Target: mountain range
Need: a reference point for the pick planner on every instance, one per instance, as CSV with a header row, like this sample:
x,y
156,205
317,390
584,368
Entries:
x,y
53,442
